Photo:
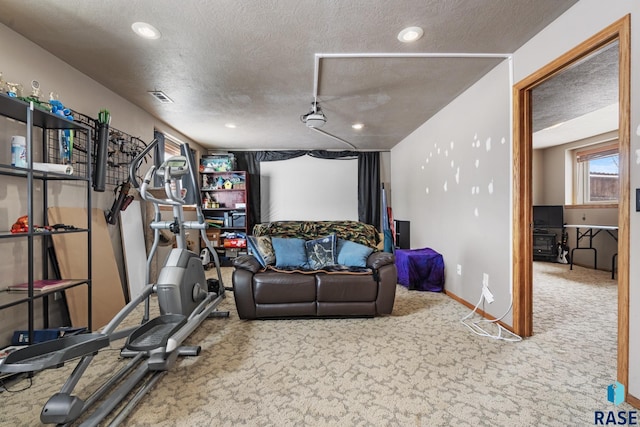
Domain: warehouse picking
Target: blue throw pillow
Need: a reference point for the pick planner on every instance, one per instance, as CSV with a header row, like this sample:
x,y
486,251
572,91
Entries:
x,y
353,254
321,252
262,249
290,252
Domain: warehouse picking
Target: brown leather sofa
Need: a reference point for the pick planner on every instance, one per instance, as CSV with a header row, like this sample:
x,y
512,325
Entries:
x,y
263,293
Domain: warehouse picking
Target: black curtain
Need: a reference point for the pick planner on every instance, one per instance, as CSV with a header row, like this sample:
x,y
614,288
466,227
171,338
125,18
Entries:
x,y
368,185
158,154
368,178
247,161
190,182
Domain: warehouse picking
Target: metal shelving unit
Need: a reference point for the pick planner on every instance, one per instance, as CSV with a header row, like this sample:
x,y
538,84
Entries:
x,y
38,242
229,210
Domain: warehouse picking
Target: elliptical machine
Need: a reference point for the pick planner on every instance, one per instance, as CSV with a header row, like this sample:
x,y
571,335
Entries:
x,y
184,302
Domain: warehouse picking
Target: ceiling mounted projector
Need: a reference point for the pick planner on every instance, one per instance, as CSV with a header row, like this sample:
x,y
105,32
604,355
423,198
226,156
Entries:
x,y
314,118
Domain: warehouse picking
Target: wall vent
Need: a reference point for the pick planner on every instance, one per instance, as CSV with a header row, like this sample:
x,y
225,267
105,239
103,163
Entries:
x,y
161,96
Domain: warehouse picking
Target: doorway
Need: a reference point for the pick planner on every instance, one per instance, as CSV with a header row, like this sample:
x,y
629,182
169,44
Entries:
x,y
522,184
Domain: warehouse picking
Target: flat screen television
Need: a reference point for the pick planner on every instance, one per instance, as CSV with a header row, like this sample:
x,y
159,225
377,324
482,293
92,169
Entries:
x,y
548,216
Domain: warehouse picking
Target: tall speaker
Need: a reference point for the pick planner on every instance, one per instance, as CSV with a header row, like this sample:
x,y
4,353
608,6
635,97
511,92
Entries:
x,y
403,235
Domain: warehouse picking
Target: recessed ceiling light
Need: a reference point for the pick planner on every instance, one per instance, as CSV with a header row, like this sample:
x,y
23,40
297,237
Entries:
x,y
230,125
357,126
410,34
146,31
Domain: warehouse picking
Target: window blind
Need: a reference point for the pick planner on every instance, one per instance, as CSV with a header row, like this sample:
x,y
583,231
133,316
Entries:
x,y
596,153
171,148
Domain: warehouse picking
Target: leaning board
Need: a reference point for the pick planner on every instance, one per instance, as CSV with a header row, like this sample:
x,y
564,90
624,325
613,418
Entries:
x,y
133,248
71,251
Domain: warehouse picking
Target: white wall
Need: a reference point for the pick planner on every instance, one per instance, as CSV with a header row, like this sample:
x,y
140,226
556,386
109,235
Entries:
x,y
314,208
463,241
310,189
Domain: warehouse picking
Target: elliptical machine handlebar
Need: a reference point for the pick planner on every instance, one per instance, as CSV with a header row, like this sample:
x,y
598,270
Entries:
x,y
187,167
137,161
170,170
191,171
144,190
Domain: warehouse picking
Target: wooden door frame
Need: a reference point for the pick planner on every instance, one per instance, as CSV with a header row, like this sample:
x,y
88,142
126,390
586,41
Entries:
x,y
522,193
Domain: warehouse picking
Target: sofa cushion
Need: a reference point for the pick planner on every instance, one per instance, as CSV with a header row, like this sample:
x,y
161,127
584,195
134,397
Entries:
x,y
321,252
352,254
277,288
262,249
346,288
290,252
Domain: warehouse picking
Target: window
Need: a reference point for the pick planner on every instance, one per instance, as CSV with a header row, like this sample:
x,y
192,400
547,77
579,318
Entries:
x,y
171,148
597,174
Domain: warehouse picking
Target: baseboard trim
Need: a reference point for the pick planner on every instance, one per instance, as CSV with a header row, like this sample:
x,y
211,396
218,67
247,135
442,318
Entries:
x,y
479,311
633,401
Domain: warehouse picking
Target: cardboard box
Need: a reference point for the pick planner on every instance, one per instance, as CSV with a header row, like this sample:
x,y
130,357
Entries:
x,y
214,237
235,243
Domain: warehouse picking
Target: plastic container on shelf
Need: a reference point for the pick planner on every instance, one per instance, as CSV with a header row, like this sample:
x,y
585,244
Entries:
x,y
18,151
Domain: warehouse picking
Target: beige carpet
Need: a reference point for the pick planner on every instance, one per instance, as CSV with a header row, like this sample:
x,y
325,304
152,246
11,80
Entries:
x,y
417,367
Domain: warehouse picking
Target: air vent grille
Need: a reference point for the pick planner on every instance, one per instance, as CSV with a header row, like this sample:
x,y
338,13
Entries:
x,y
161,96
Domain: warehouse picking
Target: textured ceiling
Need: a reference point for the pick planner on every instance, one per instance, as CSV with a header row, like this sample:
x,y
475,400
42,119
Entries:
x,y
579,102
251,62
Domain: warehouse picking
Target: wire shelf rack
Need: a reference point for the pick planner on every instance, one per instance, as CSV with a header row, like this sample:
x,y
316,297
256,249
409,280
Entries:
x,y
122,149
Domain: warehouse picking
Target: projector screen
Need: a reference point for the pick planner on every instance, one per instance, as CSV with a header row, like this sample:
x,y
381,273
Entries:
x,y
306,188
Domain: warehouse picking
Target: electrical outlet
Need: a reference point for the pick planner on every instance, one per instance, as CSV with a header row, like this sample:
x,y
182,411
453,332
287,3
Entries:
x,y
485,279
487,294
459,270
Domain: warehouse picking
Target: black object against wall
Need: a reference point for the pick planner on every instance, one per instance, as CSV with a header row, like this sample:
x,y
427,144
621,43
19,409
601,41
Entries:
x,y
122,200
403,234
158,155
548,216
102,152
545,247
368,183
191,181
246,161
368,178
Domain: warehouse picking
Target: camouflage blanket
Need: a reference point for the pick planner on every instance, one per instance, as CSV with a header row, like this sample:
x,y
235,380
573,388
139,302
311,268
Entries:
x,y
331,269
354,231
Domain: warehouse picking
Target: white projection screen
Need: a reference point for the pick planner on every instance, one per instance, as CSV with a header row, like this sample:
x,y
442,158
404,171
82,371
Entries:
x,y
307,188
